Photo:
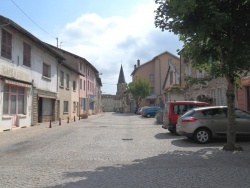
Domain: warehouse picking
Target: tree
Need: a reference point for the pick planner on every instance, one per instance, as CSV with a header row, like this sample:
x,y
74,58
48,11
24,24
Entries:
x,y
216,36
139,89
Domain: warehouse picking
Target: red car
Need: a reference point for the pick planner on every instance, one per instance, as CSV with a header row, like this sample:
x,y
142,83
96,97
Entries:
x,y
173,109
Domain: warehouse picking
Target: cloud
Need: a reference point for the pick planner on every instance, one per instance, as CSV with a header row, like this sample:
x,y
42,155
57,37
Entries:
x,y
108,42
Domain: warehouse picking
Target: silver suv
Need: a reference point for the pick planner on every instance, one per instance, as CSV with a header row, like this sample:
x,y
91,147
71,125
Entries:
x,y
202,124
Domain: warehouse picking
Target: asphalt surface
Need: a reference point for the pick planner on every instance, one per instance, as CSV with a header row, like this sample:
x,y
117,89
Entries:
x,y
116,150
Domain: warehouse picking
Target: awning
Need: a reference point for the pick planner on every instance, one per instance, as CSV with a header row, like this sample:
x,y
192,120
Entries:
x,y
245,81
16,83
47,96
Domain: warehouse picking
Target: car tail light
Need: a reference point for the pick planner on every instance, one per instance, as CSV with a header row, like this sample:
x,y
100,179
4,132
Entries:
x,y
189,119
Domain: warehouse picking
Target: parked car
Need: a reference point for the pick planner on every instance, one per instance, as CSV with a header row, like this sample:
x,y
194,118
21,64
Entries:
x,y
173,109
150,111
141,109
203,124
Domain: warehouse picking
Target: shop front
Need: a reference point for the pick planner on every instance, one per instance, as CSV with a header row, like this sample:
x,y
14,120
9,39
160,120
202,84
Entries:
x,y
16,104
44,106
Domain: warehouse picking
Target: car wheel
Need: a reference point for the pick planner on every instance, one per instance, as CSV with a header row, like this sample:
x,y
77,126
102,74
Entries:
x,y
202,136
173,131
148,115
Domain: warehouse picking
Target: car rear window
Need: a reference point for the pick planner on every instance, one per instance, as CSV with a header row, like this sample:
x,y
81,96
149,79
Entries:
x,y
189,113
183,108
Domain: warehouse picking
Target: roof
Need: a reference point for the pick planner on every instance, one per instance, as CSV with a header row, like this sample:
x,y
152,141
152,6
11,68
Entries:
x,y
9,24
75,56
166,52
121,79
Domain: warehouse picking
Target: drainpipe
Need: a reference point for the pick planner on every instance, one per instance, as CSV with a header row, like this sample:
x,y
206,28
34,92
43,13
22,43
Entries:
x,y
180,69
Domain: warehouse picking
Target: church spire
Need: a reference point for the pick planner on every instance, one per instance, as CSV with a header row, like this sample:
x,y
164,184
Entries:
x,y
121,79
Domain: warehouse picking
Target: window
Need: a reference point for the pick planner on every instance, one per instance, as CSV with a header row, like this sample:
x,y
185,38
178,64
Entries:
x,y
80,83
6,46
220,96
65,106
84,84
61,78
83,106
151,77
80,66
46,70
13,100
74,85
88,85
213,95
152,91
169,61
67,81
74,106
171,78
26,54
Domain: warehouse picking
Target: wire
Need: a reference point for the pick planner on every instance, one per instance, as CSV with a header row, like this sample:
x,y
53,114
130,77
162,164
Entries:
x,y
31,19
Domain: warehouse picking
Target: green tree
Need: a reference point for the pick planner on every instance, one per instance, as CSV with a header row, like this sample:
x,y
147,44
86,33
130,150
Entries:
x,y
216,34
139,89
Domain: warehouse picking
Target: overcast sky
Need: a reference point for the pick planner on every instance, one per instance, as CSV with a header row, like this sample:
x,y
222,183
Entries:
x,y
108,33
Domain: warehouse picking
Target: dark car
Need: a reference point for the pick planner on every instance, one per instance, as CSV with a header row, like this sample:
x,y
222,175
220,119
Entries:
x,y
203,124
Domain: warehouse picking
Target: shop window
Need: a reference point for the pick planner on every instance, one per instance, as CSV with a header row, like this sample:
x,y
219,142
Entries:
x,y
13,100
26,54
48,110
6,45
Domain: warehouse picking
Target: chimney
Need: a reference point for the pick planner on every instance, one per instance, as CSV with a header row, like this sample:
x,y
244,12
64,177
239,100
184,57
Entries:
x,y
138,62
134,67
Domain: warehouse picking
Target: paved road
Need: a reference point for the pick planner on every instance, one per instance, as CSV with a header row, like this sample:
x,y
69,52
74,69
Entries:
x,y
117,151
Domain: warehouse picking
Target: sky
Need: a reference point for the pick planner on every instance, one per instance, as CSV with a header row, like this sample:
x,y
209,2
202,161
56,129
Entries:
x,y
108,33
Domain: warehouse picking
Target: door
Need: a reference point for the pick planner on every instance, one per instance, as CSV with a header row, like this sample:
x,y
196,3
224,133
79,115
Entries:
x,y
40,109
13,109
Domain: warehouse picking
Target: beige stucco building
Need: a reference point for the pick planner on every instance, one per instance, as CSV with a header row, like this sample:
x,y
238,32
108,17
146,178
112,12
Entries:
x,y
155,72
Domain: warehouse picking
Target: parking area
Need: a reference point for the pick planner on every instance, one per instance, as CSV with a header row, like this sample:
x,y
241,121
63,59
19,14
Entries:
x,y
117,150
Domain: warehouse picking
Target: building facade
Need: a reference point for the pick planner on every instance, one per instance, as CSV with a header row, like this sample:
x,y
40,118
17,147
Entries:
x,y
38,83
155,72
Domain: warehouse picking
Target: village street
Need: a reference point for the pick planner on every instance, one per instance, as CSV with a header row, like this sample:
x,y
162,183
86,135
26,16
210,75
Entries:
x,y
116,150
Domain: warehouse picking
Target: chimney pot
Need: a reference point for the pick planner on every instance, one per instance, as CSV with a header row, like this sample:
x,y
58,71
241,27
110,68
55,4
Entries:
x,y
138,62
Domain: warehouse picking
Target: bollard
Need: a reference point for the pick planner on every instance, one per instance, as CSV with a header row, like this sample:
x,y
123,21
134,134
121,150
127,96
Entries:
x,y
68,120
50,126
59,121
79,117
74,118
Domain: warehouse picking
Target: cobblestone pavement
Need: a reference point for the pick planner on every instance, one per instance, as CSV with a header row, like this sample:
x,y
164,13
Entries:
x,y
116,150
